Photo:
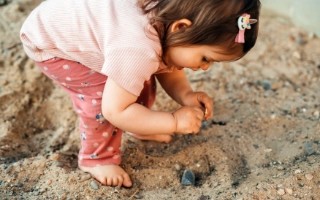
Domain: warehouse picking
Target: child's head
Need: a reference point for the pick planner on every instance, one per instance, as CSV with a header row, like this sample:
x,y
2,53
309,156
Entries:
x,y
213,23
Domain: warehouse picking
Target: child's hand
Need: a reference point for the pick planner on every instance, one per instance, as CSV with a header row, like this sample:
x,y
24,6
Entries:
x,y
200,100
188,120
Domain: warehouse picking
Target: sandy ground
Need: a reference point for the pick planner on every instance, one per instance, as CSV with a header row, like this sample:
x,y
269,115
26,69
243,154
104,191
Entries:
x,y
262,143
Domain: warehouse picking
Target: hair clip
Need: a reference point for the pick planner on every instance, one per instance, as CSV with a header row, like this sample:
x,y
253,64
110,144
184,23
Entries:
x,y
244,22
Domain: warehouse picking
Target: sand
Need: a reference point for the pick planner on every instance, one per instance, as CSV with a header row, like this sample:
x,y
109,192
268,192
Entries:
x,y
262,143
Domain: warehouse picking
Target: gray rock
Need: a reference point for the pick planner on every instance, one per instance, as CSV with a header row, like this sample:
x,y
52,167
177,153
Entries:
x,y
188,177
308,148
138,196
94,185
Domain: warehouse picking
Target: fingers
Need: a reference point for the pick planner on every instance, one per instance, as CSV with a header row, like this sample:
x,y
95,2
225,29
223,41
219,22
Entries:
x,y
207,104
199,113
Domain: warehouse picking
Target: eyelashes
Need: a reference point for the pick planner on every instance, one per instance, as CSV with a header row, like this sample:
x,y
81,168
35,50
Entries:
x,y
205,60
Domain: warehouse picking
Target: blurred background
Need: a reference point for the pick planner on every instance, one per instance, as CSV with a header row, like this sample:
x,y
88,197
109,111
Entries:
x,y
303,13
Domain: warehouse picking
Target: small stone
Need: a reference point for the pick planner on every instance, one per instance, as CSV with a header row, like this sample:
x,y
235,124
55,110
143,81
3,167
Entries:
x,y
205,124
215,184
281,192
19,184
296,55
289,190
59,164
265,84
308,148
298,171
267,150
316,114
94,185
177,166
49,182
85,177
36,193
300,40
309,177
3,2
54,157
202,197
280,167
188,177
8,169
138,196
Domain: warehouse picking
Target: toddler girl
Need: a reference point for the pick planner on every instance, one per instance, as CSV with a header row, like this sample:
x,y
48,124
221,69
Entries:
x,y
107,53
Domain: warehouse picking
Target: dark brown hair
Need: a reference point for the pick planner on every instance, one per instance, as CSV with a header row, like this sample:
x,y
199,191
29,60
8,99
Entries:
x,y
214,22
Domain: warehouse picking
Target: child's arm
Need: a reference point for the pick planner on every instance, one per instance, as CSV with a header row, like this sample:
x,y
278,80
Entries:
x,y
119,107
178,88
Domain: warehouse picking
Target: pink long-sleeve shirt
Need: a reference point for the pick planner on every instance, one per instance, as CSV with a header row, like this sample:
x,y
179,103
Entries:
x,y
112,37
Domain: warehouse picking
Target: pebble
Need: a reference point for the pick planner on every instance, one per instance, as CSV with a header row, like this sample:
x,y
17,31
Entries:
x,y
49,182
316,114
309,177
296,55
202,197
265,84
308,148
300,40
280,168
298,171
94,185
177,166
19,184
289,190
85,177
205,124
8,169
188,177
36,192
138,196
59,164
267,150
3,2
281,192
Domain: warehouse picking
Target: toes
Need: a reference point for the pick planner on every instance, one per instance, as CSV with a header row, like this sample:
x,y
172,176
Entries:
x,y
102,180
126,180
114,181
168,139
120,181
109,181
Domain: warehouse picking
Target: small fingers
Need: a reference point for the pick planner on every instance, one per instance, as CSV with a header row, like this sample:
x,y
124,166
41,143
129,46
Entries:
x,y
199,113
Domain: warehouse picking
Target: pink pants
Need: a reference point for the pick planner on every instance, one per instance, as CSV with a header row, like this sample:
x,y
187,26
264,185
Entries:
x,y
100,140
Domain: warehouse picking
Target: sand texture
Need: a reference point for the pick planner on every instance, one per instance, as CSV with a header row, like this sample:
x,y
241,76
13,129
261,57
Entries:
x,y
262,143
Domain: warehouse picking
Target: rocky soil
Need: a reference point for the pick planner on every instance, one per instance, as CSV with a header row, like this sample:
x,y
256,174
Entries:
x,y
262,143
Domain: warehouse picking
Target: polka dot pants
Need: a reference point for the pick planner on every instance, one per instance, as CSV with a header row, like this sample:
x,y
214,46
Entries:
x,y
100,140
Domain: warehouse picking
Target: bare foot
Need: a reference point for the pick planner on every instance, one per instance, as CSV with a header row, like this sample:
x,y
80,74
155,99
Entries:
x,y
110,175
158,138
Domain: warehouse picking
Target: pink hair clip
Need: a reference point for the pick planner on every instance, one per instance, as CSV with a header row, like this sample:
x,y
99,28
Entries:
x,y
244,22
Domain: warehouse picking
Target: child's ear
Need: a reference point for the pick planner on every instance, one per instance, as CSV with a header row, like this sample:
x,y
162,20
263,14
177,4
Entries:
x,y
181,23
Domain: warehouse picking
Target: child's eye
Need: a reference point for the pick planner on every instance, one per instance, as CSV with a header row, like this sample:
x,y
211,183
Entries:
x,y
205,60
